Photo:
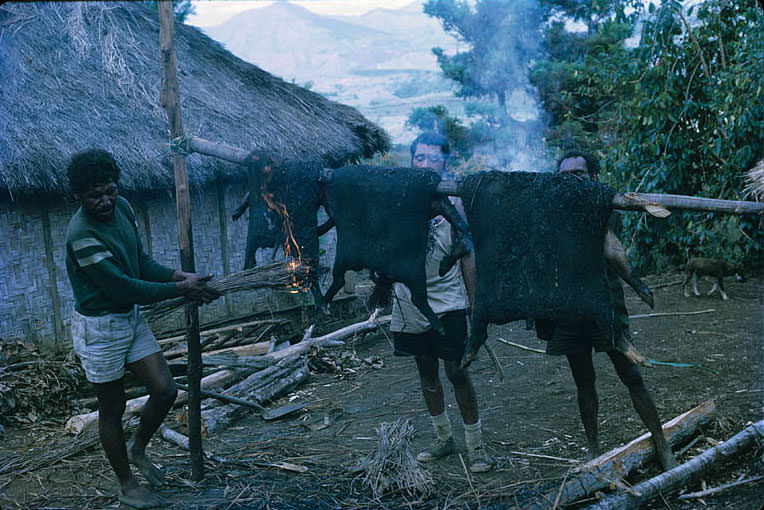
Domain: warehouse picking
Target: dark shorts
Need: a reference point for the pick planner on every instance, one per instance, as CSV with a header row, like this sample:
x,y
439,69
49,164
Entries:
x,y
450,347
578,336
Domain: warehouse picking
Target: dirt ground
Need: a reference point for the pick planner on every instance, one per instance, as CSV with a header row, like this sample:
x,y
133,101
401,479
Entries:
x,y
533,413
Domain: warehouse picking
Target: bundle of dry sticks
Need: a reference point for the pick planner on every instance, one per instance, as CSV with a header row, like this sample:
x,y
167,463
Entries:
x,y
276,275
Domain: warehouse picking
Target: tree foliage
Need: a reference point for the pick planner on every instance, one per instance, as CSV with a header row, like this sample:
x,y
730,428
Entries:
x,y
677,111
501,39
182,9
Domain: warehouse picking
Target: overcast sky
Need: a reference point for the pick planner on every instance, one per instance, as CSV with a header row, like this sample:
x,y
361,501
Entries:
x,y
212,12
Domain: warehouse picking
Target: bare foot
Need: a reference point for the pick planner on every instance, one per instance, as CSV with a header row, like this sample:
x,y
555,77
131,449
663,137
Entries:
x,y
139,459
139,496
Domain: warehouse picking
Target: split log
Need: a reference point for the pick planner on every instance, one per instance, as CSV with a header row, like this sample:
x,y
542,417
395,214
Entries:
x,y
331,339
217,417
616,464
683,474
80,422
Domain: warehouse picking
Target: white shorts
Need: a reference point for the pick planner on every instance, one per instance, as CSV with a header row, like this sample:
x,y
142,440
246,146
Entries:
x,y
105,344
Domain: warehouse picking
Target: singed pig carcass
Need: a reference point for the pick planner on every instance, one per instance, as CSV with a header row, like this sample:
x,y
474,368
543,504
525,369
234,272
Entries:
x,y
382,216
541,250
281,192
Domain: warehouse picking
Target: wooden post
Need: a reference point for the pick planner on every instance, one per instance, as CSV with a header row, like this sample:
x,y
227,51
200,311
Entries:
x,y
50,263
223,222
170,101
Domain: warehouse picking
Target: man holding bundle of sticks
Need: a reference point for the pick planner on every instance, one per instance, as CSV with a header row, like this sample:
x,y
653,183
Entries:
x,y
111,275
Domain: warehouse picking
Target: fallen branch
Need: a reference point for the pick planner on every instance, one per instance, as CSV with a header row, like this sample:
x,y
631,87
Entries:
x,y
721,488
616,464
520,346
331,339
666,314
683,474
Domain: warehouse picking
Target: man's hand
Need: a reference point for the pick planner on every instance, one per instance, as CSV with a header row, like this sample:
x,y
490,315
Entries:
x,y
194,286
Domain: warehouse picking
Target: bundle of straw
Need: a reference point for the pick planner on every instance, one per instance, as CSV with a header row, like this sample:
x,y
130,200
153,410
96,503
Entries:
x,y
755,181
392,465
274,275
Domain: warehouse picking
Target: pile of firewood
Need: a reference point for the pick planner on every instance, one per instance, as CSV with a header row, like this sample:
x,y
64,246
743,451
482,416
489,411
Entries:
x,y
239,363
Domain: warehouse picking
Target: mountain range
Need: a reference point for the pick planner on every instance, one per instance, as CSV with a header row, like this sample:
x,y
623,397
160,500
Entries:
x,y
381,62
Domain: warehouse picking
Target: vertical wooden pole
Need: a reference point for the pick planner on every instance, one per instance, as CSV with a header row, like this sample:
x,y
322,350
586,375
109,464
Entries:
x,y
143,212
52,276
223,222
170,101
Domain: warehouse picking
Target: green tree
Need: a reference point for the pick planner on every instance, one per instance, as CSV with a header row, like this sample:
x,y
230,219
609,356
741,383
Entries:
x,y
182,8
677,111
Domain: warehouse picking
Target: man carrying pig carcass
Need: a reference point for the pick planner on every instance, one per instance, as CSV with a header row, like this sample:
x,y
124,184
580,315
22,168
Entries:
x,y
575,337
449,296
111,274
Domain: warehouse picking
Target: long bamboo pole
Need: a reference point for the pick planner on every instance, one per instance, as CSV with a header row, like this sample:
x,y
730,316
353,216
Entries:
x,y
623,201
170,101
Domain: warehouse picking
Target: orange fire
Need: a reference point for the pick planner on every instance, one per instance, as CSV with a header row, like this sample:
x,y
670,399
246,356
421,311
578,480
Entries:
x,y
295,260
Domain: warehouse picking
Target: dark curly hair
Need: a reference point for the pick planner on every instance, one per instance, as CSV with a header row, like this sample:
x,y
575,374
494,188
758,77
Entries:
x,y
89,168
592,161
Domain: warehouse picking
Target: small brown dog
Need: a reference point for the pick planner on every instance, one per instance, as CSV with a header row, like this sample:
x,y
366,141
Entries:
x,y
708,267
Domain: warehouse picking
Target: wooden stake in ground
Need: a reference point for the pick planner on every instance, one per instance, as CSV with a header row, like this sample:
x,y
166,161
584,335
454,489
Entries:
x,y
170,101
685,473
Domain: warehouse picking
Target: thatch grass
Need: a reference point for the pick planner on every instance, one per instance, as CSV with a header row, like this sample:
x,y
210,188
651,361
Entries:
x,y
275,275
87,74
755,182
392,465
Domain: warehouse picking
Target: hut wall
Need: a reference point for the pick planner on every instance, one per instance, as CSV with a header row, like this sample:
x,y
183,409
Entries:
x,y
26,303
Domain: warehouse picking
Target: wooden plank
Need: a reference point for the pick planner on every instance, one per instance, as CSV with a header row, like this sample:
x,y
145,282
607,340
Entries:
x,y
223,225
171,102
616,464
50,264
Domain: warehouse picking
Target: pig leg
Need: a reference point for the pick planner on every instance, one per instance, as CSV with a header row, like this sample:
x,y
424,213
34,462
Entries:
x,y
324,227
380,296
462,244
695,284
615,256
478,336
419,299
338,280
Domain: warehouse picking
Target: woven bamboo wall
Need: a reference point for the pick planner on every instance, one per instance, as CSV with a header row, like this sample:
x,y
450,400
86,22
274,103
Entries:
x,y
26,304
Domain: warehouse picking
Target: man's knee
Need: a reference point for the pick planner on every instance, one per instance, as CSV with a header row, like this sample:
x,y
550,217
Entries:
x,y
628,372
456,375
165,394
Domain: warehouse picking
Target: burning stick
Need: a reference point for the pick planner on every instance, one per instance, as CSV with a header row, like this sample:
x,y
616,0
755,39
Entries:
x,y
272,275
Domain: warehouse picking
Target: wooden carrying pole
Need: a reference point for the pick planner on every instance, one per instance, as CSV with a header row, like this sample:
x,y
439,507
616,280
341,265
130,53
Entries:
x,y
623,201
170,101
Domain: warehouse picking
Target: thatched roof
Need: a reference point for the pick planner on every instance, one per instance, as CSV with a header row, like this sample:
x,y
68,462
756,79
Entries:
x,y
83,74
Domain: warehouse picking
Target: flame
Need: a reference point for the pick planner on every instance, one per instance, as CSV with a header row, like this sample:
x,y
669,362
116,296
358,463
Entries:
x,y
295,259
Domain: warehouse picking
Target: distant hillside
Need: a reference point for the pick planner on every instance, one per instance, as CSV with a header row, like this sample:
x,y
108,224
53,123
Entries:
x,y
380,62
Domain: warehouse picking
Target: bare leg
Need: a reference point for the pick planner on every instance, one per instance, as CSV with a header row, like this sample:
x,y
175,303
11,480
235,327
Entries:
x,y
643,402
695,284
432,389
464,391
111,407
155,374
582,369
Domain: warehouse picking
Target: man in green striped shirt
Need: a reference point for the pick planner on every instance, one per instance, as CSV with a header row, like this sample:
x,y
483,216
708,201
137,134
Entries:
x,y
111,275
